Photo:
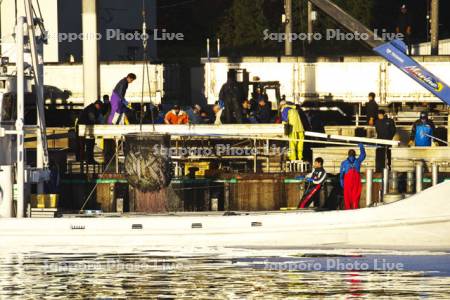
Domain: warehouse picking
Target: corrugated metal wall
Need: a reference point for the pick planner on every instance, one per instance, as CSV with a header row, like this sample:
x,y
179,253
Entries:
x,y
70,77
348,81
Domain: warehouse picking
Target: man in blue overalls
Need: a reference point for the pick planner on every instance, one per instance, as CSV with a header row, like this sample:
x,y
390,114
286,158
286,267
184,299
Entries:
x,y
422,132
350,178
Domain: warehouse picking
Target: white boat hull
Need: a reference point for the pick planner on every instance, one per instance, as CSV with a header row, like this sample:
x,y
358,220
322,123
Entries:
x,y
421,222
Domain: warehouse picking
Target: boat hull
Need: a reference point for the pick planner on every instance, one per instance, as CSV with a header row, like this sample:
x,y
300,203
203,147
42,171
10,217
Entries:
x,y
421,222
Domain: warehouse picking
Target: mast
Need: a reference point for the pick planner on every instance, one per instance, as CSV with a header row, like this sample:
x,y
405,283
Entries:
x,y
20,168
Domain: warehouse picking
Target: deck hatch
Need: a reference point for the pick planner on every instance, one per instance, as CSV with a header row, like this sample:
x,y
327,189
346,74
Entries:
x,y
197,225
77,227
137,227
257,224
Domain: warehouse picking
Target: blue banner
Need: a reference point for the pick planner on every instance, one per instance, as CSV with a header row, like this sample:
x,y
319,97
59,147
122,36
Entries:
x,y
395,53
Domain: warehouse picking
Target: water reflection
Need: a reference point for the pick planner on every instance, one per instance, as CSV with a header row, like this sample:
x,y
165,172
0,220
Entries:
x,y
157,274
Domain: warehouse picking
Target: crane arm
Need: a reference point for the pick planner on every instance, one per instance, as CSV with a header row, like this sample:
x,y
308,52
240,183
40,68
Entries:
x,y
393,51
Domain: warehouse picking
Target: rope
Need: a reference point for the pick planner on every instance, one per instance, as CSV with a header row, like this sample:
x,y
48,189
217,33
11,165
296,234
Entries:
x,y
144,70
96,184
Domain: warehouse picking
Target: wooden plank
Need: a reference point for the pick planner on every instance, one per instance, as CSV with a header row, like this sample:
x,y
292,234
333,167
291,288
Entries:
x,y
234,131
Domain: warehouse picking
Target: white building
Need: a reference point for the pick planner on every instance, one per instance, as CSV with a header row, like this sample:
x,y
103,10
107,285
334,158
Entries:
x,y
425,48
349,79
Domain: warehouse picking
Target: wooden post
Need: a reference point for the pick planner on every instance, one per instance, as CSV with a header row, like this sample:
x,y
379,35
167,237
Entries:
x,y
226,196
434,27
288,27
207,197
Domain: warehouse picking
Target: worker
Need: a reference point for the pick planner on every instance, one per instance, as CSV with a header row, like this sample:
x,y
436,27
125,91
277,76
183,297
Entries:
x,y
106,110
118,102
422,131
372,110
231,95
218,111
385,126
248,114
350,178
90,115
205,117
404,27
152,114
263,114
176,117
315,182
293,129
194,114
159,114
256,96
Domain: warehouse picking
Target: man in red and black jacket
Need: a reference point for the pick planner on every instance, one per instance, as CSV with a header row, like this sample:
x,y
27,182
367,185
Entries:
x,y
315,180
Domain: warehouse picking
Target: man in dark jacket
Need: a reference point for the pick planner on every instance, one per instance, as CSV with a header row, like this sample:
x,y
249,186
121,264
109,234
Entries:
x,y
385,127
386,130
264,112
118,101
194,114
90,115
404,27
231,95
422,132
256,96
247,114
371,110
315,182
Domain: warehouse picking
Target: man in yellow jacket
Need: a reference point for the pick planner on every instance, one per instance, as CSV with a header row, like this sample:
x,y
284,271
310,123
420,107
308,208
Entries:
x,y
293,129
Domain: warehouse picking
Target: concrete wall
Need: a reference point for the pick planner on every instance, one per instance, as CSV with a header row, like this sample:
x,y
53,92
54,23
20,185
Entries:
x,y
350,80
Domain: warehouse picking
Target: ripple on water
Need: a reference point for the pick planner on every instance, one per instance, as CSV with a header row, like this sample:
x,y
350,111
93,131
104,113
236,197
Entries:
x,y
152,274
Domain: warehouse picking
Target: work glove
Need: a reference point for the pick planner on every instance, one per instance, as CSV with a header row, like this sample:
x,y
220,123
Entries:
x,y
411,143
309,180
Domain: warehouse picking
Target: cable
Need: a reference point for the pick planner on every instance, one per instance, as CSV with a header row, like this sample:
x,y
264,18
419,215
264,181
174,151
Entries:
x,y
144,70
95,187
40,17
39,9
144,47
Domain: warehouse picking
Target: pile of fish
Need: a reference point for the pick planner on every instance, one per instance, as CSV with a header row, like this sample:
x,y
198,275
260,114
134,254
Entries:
x,y
147,162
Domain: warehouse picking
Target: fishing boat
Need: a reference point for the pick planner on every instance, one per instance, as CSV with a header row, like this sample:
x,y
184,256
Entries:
x,y
421,222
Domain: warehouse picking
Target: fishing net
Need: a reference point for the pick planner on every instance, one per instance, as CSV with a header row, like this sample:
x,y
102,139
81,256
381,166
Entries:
x,y
147,161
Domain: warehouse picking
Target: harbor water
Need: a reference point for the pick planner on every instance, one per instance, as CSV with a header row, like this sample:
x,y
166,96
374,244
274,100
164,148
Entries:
x,y
218,273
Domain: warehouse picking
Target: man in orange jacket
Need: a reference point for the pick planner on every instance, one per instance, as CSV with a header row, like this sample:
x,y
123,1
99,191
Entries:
x,y
176,116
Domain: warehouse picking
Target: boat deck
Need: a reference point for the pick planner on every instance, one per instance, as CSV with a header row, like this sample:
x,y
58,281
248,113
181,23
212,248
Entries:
x,y
189,214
